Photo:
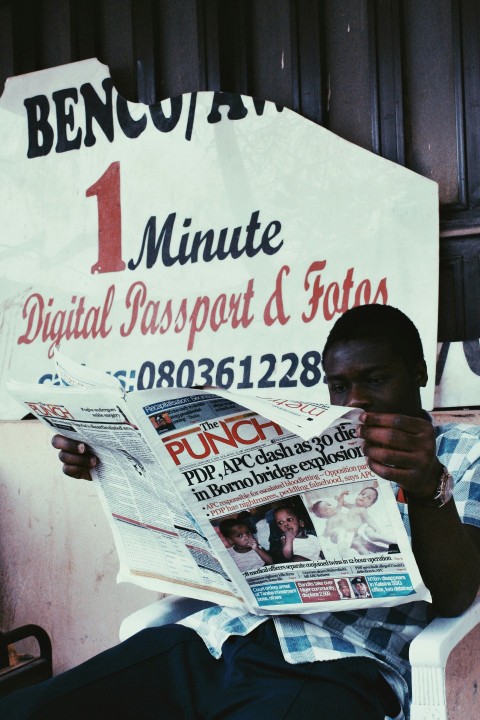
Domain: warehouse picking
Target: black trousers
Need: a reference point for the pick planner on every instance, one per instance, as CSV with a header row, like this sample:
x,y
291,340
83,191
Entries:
x,y
167,673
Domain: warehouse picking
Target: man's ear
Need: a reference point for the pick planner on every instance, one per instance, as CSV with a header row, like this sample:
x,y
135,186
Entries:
x,y
420,373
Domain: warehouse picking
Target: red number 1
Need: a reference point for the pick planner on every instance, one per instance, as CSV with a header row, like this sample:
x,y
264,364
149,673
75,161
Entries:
x,y
107,190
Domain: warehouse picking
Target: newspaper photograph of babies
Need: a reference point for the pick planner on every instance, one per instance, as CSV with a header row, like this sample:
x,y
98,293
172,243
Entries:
x,y
351,520
269,534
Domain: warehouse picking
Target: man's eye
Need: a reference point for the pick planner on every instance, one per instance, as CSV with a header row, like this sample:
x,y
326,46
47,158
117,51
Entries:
x,y
338,388
377,380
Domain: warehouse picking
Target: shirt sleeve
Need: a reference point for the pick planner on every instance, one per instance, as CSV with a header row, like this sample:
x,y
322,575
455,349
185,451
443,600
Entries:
x,y
458,448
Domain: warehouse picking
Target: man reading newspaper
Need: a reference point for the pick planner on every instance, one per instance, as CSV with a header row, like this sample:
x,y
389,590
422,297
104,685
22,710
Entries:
x,y
225,663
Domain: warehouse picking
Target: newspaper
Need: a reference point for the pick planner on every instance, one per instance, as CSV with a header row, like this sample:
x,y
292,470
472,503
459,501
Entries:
x,y
253,502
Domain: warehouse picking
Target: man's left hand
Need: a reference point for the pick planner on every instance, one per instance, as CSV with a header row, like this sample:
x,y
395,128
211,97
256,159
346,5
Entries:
x,y
401,449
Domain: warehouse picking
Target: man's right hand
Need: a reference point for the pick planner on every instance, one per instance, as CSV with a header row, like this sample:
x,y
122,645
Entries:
x,y
76,457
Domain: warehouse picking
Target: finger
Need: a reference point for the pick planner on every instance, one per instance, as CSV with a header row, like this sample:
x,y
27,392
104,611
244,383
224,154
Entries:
x,y
384,437
410,479
405,423
60,442
73,459
401,476
398,439
77,472
392,458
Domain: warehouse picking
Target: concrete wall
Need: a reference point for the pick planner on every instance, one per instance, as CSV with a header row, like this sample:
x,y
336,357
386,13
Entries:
x,y
58,563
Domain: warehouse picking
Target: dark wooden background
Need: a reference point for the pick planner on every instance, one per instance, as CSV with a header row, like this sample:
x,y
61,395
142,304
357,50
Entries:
x,y
398,77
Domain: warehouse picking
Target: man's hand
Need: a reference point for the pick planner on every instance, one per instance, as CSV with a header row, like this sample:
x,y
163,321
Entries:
x,y
76,457
401,449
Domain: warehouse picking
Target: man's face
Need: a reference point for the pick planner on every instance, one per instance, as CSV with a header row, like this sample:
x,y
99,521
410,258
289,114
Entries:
x,y
344,588
367,374
361,588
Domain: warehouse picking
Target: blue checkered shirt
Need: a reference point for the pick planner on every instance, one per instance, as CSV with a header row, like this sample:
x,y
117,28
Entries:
x,y
383,634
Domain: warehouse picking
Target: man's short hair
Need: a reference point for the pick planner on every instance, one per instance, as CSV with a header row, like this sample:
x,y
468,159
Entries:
x,y
379,322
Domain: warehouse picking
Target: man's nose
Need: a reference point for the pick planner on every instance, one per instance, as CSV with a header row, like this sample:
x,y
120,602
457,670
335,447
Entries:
x,y
358,397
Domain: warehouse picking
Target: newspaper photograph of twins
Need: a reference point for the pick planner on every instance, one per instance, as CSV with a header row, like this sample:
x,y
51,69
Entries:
x,y
242,500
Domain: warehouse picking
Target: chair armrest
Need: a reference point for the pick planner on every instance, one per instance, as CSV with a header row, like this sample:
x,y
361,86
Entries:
x,y
168,610
433,645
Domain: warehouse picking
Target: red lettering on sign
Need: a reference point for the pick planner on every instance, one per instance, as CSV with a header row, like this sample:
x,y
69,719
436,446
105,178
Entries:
x,y
107,191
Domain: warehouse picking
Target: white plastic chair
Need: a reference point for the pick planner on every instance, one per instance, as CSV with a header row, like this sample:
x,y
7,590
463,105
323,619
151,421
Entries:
x,y
428,652
428,657
169,609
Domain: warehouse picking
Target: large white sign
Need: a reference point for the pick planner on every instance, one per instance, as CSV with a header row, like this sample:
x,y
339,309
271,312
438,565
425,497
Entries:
x,y
208,239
